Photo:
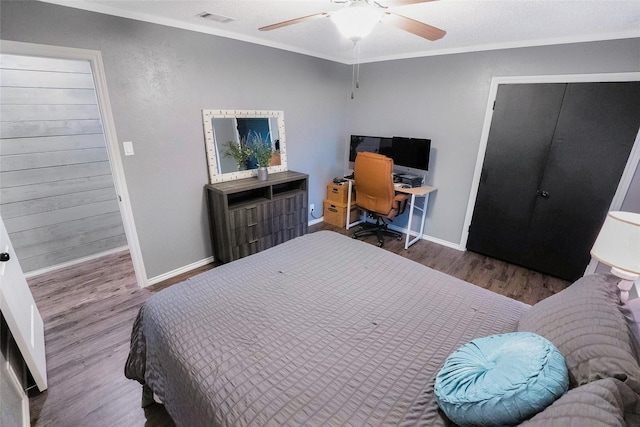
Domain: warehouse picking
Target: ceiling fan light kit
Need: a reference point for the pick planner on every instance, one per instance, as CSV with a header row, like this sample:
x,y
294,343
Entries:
x,y
356,22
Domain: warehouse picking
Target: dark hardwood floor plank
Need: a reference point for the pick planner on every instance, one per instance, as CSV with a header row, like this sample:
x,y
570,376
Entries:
x,y
89,309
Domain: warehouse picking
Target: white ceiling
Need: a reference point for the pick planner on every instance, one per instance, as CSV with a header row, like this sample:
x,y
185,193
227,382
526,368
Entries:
x,y
471,25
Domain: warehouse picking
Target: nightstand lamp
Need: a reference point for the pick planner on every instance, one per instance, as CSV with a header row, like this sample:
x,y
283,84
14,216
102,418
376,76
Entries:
x,y
618,245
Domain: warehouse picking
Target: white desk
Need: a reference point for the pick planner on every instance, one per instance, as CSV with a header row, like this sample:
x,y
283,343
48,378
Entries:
x,y
423,192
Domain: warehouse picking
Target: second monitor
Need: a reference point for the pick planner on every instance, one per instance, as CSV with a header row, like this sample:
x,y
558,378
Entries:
x,y
406,152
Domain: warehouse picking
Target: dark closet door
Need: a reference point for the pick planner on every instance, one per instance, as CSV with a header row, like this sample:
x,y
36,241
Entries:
x,y
591,138
524,119
596,129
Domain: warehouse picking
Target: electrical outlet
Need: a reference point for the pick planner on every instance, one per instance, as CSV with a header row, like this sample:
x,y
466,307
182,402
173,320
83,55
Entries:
x,y
311,207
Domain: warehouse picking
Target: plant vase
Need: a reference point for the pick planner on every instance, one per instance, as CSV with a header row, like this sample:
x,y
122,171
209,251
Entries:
x,y
263,173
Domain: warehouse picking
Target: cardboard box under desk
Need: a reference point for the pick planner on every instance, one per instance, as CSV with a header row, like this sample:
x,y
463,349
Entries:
x,y
336,213
339,193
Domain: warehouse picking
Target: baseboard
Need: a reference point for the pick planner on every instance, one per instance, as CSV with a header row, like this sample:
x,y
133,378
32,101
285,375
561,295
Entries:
x,y
316,221
446,243
74,262
177,271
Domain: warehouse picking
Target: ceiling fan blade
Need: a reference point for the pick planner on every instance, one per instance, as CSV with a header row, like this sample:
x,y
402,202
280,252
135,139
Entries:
x,y
292,21
414,27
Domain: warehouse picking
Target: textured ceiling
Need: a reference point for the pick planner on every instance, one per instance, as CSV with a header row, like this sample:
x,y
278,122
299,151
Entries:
x,y
470,25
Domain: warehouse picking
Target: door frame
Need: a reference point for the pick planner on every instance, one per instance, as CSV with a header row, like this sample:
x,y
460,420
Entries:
x,y
104,105
629,170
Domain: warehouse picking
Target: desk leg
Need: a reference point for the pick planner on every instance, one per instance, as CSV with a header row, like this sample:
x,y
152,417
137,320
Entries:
x,y
349,206
357,221
424,216
407,242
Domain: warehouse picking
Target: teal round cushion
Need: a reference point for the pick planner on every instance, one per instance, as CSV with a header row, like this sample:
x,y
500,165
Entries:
x,y
501,379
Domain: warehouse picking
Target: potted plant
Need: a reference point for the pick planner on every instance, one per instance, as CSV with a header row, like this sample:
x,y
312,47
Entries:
x,y
260,148
239,151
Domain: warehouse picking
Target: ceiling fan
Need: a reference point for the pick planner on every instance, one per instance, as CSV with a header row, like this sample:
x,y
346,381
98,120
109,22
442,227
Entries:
x,y
358,18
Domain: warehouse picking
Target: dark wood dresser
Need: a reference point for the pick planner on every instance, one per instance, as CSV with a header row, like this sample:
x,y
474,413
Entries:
x,y
248,216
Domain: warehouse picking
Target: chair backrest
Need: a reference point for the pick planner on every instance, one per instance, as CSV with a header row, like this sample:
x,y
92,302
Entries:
x,y
374,182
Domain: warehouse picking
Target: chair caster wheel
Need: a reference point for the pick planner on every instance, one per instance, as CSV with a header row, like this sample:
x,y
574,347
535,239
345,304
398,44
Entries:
x,y
380,244
399,238
354,237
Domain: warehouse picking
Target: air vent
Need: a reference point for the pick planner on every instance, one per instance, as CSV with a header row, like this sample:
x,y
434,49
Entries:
x,y
214,17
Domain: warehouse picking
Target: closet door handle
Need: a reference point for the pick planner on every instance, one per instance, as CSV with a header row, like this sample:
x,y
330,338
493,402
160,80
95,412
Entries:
x,y
4,257
543,194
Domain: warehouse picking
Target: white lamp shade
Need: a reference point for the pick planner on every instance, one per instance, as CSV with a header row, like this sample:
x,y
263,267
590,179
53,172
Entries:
x,y
356,22
618,244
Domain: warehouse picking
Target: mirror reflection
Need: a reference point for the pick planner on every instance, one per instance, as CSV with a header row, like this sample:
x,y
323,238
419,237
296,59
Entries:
x,y
235,139
235,136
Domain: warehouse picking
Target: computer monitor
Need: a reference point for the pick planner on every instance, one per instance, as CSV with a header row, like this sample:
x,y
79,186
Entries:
x,y
406,152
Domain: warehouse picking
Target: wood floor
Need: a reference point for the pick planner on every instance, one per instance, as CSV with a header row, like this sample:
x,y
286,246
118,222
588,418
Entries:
x,y
88,311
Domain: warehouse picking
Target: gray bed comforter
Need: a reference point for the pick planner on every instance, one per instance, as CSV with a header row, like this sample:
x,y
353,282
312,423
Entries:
x,y
321,330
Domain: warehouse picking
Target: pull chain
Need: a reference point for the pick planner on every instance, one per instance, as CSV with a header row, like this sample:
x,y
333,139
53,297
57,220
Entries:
x,y
357,47
355,72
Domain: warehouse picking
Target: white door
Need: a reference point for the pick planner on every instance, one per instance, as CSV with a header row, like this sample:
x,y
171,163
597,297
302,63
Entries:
x,y
20,311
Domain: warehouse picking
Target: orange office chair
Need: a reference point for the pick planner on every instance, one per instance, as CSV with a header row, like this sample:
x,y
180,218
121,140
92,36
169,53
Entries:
x,y
376,194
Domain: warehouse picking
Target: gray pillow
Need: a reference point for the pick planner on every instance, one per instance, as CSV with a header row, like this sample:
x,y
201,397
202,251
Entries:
x,y
588,325
606,402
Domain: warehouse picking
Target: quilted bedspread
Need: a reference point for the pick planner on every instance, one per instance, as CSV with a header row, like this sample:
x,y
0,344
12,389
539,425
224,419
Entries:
x,y
321,330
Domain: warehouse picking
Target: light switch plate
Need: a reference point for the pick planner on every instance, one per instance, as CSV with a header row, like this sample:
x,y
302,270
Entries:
x,y
128,148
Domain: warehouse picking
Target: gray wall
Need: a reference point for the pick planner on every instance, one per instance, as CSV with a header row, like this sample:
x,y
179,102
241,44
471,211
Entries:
x,y
159,78
445,98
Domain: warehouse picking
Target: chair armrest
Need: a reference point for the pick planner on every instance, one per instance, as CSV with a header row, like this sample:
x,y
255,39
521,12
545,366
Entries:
x,y
400,203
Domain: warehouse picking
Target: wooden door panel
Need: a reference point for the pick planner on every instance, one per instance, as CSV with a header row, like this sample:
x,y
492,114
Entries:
x,y
21,313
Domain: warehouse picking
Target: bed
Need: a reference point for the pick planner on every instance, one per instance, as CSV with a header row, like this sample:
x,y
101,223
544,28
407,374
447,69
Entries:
x,y
327,330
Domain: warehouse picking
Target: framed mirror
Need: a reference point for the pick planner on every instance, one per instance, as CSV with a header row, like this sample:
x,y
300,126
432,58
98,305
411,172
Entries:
x,y
226,131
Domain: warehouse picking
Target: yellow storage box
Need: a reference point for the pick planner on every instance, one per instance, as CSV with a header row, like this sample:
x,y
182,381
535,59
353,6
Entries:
x,y
336,213
339,193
